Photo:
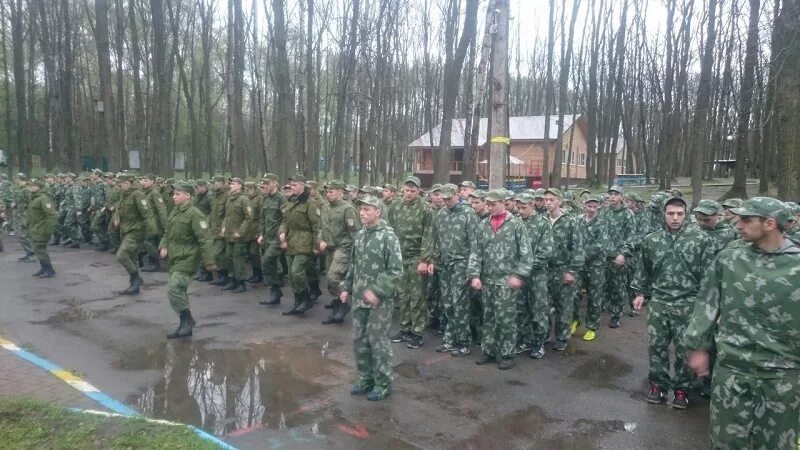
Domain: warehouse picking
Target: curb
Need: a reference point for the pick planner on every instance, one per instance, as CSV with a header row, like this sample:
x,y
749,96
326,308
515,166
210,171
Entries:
x,y
120,409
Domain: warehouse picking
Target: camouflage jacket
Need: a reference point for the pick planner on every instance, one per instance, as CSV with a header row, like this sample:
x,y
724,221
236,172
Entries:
x,y
376,263
541,237
672,265
135,214
568,237
340,225
301,224
256,204
596,244
187,239
41,217
721,235
620,225
238,217
203,202
159,208
454,234
413,224
217,215
271,215
748,307
496,256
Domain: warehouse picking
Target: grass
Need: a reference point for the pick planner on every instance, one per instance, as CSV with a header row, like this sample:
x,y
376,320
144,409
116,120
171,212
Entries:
x,y
27,424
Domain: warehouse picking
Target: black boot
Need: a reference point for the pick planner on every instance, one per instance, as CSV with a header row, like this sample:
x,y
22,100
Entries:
x,y
299,301
222,279
41,270
204,275
48,271
135,283
185,327
340,313
334,310
25,258
257,277
314,292
240,287
233,284
274,296
75,244
56,239
150,265
305,305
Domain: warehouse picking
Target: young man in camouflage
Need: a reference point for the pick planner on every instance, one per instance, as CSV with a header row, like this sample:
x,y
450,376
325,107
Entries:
x,y
709,220
186,238
565,265
673,262
253,249
153,195
20,207
370,284
215,220
533,303
135,221
621,230
593,272
269,223
748,306
41,220
236,230
499,263
436,316
452,239
340,225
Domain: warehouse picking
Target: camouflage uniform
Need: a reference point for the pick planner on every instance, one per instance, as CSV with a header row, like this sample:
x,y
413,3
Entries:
x,y
301,218
533,308
136,222
100,215
593,272
668,277
253,249
748,307
567,257
150,246
238,218
21,200
269,223
215,219
341,224
620,228
73,204
496,256
41,219
376,264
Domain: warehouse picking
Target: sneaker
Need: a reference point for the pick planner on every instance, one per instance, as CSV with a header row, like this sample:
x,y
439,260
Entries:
x,y
655,395
360,389
445,348
505,363
460,351
589,335
679,401
400,336
559,346
523,348
614,322
573,327
537,352
414,341
633,313
378,394
485,359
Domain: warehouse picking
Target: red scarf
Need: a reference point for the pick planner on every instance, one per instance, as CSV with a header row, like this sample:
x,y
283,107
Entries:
x,y
497,221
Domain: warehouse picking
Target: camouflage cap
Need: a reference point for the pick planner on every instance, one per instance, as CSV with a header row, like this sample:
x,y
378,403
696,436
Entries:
x,y
36,182
436,187
635,197
673,200
350,188
71,175
249,184
125,177
183,186
335,184
584,191
538,193
616,188
168,180
708,207
237,180
370,200
148,176
479,193
495,195
569,195
524,197
656,200
793,207
22,176
467,184
297,177
594,198
732,203
447,191
509,194
217,178
269,177
413,180
676,192
389,187
555,191
766,207
312,184
109,175
377,190
201,183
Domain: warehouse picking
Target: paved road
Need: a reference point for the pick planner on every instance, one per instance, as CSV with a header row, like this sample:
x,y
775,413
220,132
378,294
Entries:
x,y
261,380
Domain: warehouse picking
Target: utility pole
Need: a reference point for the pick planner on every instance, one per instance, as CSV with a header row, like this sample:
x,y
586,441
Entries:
x,y
499,140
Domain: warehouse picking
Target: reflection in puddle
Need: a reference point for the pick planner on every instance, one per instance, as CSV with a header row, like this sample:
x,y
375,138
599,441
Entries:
x,y
224,390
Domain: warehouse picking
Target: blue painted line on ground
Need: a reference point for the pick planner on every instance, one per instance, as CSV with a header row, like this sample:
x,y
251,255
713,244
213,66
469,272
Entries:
x,y
211,438
31,358
112,404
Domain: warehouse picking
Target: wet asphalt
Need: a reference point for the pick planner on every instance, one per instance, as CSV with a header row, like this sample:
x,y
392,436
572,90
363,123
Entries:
x,y
261,380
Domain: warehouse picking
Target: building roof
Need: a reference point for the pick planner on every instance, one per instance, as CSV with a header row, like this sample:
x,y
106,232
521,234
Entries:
x,y
526,128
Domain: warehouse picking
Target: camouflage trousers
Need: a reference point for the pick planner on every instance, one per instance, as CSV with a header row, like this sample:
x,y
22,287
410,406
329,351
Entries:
x,y
40,249
300,268
270,263
435,307
236,252
21,230
72,228
338,263
454,290
411,298
221,257
177,285
562,299
476,316
617,281
373,349
128,252
61,231
254,255
593,279
533,309
100,228
499,320
666,323
753,412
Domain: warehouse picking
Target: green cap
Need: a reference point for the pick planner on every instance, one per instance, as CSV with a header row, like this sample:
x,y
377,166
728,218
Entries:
x,y
269,177
538,193
36,182
297,177
237,180
635,197
447,191
125,177
676,192
249,184
732,203
22,176
766,207
584,191
594,198
390,187
201,183
708,207
467,184
183,186
148,176
413,180
524,197
480,193
674,199
793,207
569,195
496,195
616,188
436,187
312,184
554,191
335,184
370,200
216,178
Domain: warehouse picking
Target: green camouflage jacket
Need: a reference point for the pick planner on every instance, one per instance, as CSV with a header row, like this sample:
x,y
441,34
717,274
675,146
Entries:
x,y
413,224
238,217
42,217
271,215
203,202
301,224
217,215
135,214
186,239
596,243
496,256
340,224
454,234
749,307
721,235
568,237
620,225
541,238
153,196
376,263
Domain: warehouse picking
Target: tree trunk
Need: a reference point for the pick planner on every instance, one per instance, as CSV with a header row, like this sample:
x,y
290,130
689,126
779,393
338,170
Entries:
x,y
499,143
119,40
471,151
284,108
18,56
108,141
787,100
548,96
699,126
563,87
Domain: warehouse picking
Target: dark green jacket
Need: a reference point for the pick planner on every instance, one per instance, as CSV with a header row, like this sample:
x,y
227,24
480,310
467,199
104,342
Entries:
x,y
42,217
135,214
271,215
340,225
203,203
301,222
153,196
238,217
217,215
186,239
413,225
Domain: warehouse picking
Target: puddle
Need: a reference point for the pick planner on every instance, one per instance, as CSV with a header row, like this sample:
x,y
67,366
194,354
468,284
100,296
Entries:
x,y
520,428
407,370
583,434
601,371
272,385
72,313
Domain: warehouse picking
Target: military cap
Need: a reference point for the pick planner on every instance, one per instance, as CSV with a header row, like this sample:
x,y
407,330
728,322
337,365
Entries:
x,y
594,198
216,178
148,176
125,177
676,192
495,195
524,197
370,200
467,184
50,175
538,193
479,193
656,200
312,184
708,207
350,188
22,176
3,176
183,186
436,187
36,182
335,184
389,187
168,180
413,180
109,175
447,191
377,190
201,183
732,203
249,184
297,177
237,180
616,188
269,177
635,197
555,191
97,171
366,189
569,195
674,199
793,207
585,191
766,207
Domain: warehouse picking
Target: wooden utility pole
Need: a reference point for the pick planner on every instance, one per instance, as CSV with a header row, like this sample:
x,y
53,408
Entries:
x,y
498,130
